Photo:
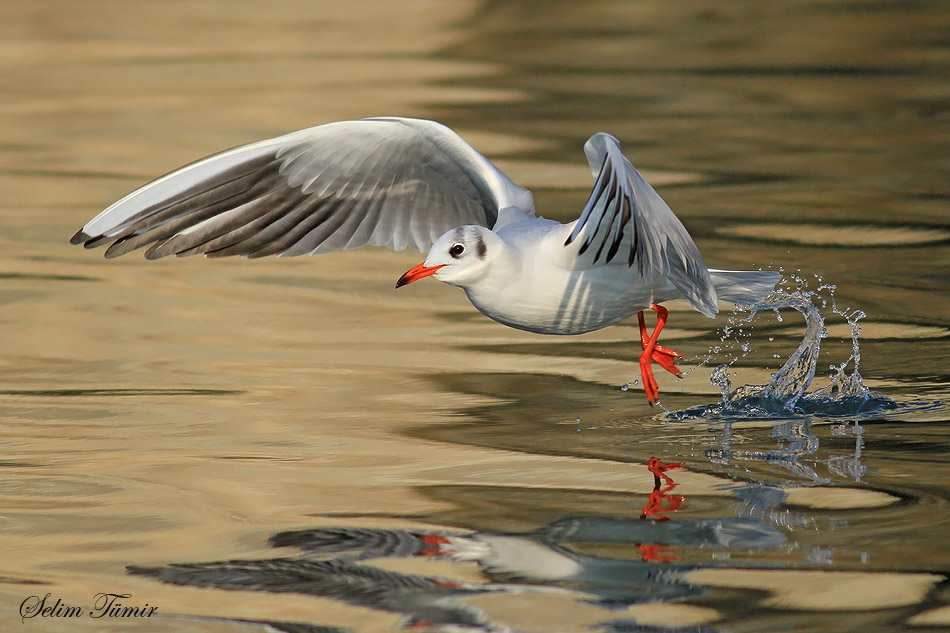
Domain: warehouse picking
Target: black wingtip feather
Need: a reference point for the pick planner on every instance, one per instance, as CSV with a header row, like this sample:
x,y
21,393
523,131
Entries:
x,y
79,237
113,251
93,242
154,253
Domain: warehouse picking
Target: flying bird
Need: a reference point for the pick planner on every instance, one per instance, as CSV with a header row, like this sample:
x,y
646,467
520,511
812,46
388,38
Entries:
x,y
411,183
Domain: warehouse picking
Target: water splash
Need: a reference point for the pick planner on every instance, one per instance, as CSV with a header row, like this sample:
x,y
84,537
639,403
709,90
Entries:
x,y
787,394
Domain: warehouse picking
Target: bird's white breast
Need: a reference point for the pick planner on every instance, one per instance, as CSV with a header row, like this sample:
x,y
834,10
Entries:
x,y
531,289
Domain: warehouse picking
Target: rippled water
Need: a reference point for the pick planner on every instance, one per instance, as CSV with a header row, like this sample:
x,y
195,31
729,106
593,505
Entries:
x,y
292,442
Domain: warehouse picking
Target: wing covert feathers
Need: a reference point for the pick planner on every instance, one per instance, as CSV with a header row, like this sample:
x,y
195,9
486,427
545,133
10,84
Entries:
x,y
626,221
389,182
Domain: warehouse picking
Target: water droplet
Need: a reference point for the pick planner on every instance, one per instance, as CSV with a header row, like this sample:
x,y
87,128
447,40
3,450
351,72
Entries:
x,y
624,387
771,338
578,420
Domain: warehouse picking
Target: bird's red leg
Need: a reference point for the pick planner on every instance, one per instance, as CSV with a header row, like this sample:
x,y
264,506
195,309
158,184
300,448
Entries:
x,y
653,352
661,355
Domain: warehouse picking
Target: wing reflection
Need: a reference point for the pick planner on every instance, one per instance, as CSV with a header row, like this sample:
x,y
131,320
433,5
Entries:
x,y
421,598
549,560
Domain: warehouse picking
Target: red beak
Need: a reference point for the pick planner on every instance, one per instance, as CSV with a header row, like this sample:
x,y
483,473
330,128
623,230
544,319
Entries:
x,y
417,272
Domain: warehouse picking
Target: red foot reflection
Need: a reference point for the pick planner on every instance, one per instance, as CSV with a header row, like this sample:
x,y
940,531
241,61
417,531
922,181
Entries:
x,y
654,553
658,468
658,503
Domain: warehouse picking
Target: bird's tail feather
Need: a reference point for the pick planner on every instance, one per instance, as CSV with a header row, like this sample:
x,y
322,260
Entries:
x,y
744,287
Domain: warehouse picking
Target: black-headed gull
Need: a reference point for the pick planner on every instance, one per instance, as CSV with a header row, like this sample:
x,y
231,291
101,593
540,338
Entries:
x,y
400,183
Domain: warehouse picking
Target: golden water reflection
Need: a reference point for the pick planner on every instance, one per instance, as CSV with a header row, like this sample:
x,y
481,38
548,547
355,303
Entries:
x,y
173,411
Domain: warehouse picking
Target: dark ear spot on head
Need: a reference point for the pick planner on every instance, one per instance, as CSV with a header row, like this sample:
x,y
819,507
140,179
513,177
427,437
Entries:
x,y
480,247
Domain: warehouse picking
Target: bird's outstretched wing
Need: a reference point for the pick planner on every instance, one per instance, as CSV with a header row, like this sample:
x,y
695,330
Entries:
x,y
386,181
625,222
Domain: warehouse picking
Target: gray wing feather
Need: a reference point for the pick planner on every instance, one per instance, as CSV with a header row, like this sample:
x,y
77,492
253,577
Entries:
x,y
388,181
625,221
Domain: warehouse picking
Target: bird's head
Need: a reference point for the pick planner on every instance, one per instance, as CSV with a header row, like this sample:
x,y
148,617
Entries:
x,y
459,257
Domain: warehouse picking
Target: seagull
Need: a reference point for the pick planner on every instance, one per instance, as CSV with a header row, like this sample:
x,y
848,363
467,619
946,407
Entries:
x,y
413,183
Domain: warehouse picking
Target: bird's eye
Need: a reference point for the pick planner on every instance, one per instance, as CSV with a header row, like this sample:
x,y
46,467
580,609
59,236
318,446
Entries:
x,y
456,250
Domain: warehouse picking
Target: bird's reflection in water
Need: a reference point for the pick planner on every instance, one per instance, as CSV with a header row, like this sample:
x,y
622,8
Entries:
x,y
333,564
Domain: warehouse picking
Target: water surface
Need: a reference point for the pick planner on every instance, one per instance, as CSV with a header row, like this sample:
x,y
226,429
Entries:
x,y
294,442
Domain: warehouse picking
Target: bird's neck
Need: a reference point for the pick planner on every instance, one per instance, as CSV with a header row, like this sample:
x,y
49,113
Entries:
x,y
499,276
